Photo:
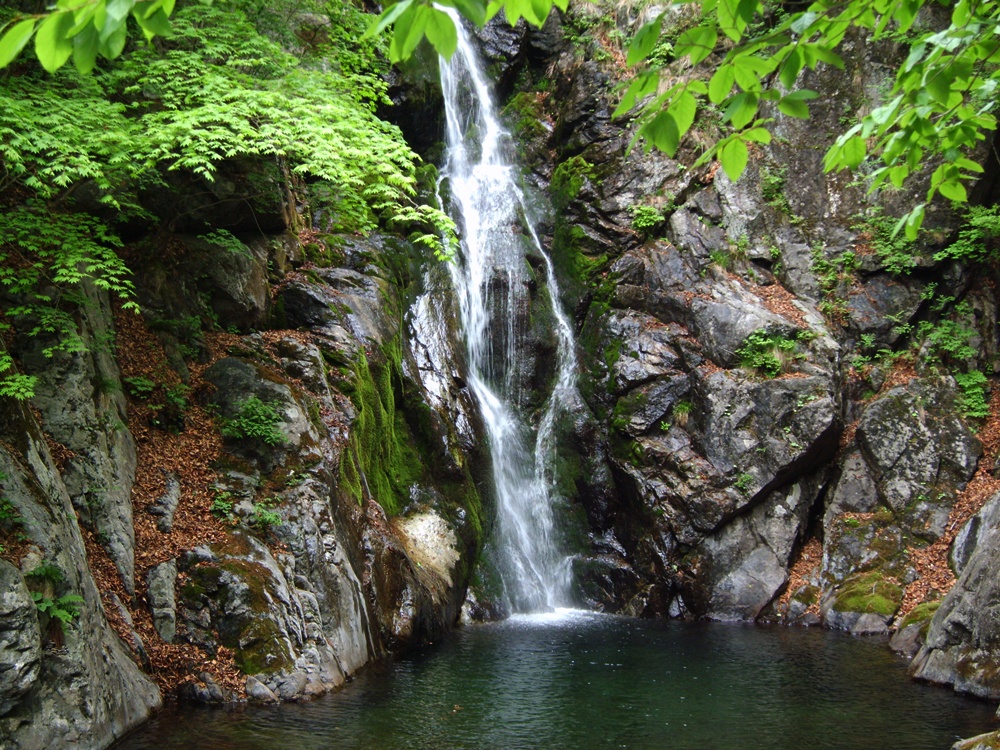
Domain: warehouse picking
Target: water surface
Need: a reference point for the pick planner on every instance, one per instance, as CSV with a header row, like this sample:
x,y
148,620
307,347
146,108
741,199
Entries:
x,y
584,681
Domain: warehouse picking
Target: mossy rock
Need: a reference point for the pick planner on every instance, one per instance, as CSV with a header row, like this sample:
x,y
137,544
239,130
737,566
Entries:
x,y
869,592
922,613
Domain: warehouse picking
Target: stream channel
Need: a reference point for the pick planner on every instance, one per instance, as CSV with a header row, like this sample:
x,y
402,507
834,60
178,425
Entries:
x,y
582,681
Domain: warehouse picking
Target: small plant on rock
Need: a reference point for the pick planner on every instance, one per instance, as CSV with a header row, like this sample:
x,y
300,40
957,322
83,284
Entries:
x,y
646,219
255,420
767,353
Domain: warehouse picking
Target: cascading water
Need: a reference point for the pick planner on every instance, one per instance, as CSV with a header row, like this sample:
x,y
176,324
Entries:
x,y
492,279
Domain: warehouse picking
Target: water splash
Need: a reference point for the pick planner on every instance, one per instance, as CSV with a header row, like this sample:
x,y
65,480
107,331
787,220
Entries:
x,y
492,278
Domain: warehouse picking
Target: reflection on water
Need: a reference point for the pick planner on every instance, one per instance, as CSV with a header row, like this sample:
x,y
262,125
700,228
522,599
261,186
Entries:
x,y
579,681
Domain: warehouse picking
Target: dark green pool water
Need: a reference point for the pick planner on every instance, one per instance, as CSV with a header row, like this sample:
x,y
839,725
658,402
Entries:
x,y
585,681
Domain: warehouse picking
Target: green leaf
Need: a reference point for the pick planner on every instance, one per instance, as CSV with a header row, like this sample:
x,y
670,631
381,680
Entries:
x,y
51,45
758,135
388,16
663,133
683,110
441,33
791,68
85,46
642,86
474,10
954,190
644,42
14,40
721,84
697,43
408,32
804,21
155,25
854,152
734,157
742,110
793,107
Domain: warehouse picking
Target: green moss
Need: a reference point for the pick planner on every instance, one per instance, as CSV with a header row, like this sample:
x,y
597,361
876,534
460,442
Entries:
x,y
524,113
380,459
869,592
568,179
922,613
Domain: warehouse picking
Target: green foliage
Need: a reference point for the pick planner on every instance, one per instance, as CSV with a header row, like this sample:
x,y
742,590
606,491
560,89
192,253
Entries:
x,y
255,420
772,188
263,517
646,219
977,238
140,386
895,250
972,401
64,609
869,592
46,571
222,505
835,275
766,353
45,255
743,483
938,109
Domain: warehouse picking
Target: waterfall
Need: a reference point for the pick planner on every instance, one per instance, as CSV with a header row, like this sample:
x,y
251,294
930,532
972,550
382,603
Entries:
x,y
492,277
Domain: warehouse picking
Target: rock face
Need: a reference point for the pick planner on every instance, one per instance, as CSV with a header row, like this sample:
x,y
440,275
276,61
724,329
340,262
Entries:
x,y
771,424
72,684
962,647
346,486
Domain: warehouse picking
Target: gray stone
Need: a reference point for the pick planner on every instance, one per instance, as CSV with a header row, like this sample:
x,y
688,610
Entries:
x,y
907,640
162,603
258,692
20,639
165,506
962,647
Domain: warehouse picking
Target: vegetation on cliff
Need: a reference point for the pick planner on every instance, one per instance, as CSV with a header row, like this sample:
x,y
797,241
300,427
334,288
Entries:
x,y
81,152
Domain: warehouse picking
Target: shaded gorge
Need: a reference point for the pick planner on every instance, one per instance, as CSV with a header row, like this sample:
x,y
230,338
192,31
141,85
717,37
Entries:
x,y
580,680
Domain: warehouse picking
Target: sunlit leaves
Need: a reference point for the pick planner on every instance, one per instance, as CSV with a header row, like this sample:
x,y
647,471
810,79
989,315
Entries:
x,y
14,39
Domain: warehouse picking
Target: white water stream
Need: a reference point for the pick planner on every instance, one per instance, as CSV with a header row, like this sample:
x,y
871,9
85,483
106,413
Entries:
x,y
492,279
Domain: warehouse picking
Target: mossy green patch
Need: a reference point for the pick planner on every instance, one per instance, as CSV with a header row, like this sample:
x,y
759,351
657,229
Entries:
x,y
380,459
567,180
922,613
869,592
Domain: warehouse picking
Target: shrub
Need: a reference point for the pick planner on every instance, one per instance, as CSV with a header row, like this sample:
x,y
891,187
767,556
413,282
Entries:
x,y
766,353
255,420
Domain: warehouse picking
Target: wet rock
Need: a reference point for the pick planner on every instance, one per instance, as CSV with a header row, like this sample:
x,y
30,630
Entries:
x,y
82,406
204,689
138,645
53,711
738,571
908,640
258,692
920,452
988,741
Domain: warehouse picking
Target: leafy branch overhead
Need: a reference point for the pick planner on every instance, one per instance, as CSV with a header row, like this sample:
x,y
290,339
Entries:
x,y
940,105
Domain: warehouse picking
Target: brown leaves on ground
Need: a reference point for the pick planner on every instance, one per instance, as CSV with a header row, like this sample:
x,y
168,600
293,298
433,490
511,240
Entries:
x,y
931,562
781,302
806,565
189,455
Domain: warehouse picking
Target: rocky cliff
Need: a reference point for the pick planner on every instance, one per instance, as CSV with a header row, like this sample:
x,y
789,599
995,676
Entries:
x,y
274,474
250,490
787,414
